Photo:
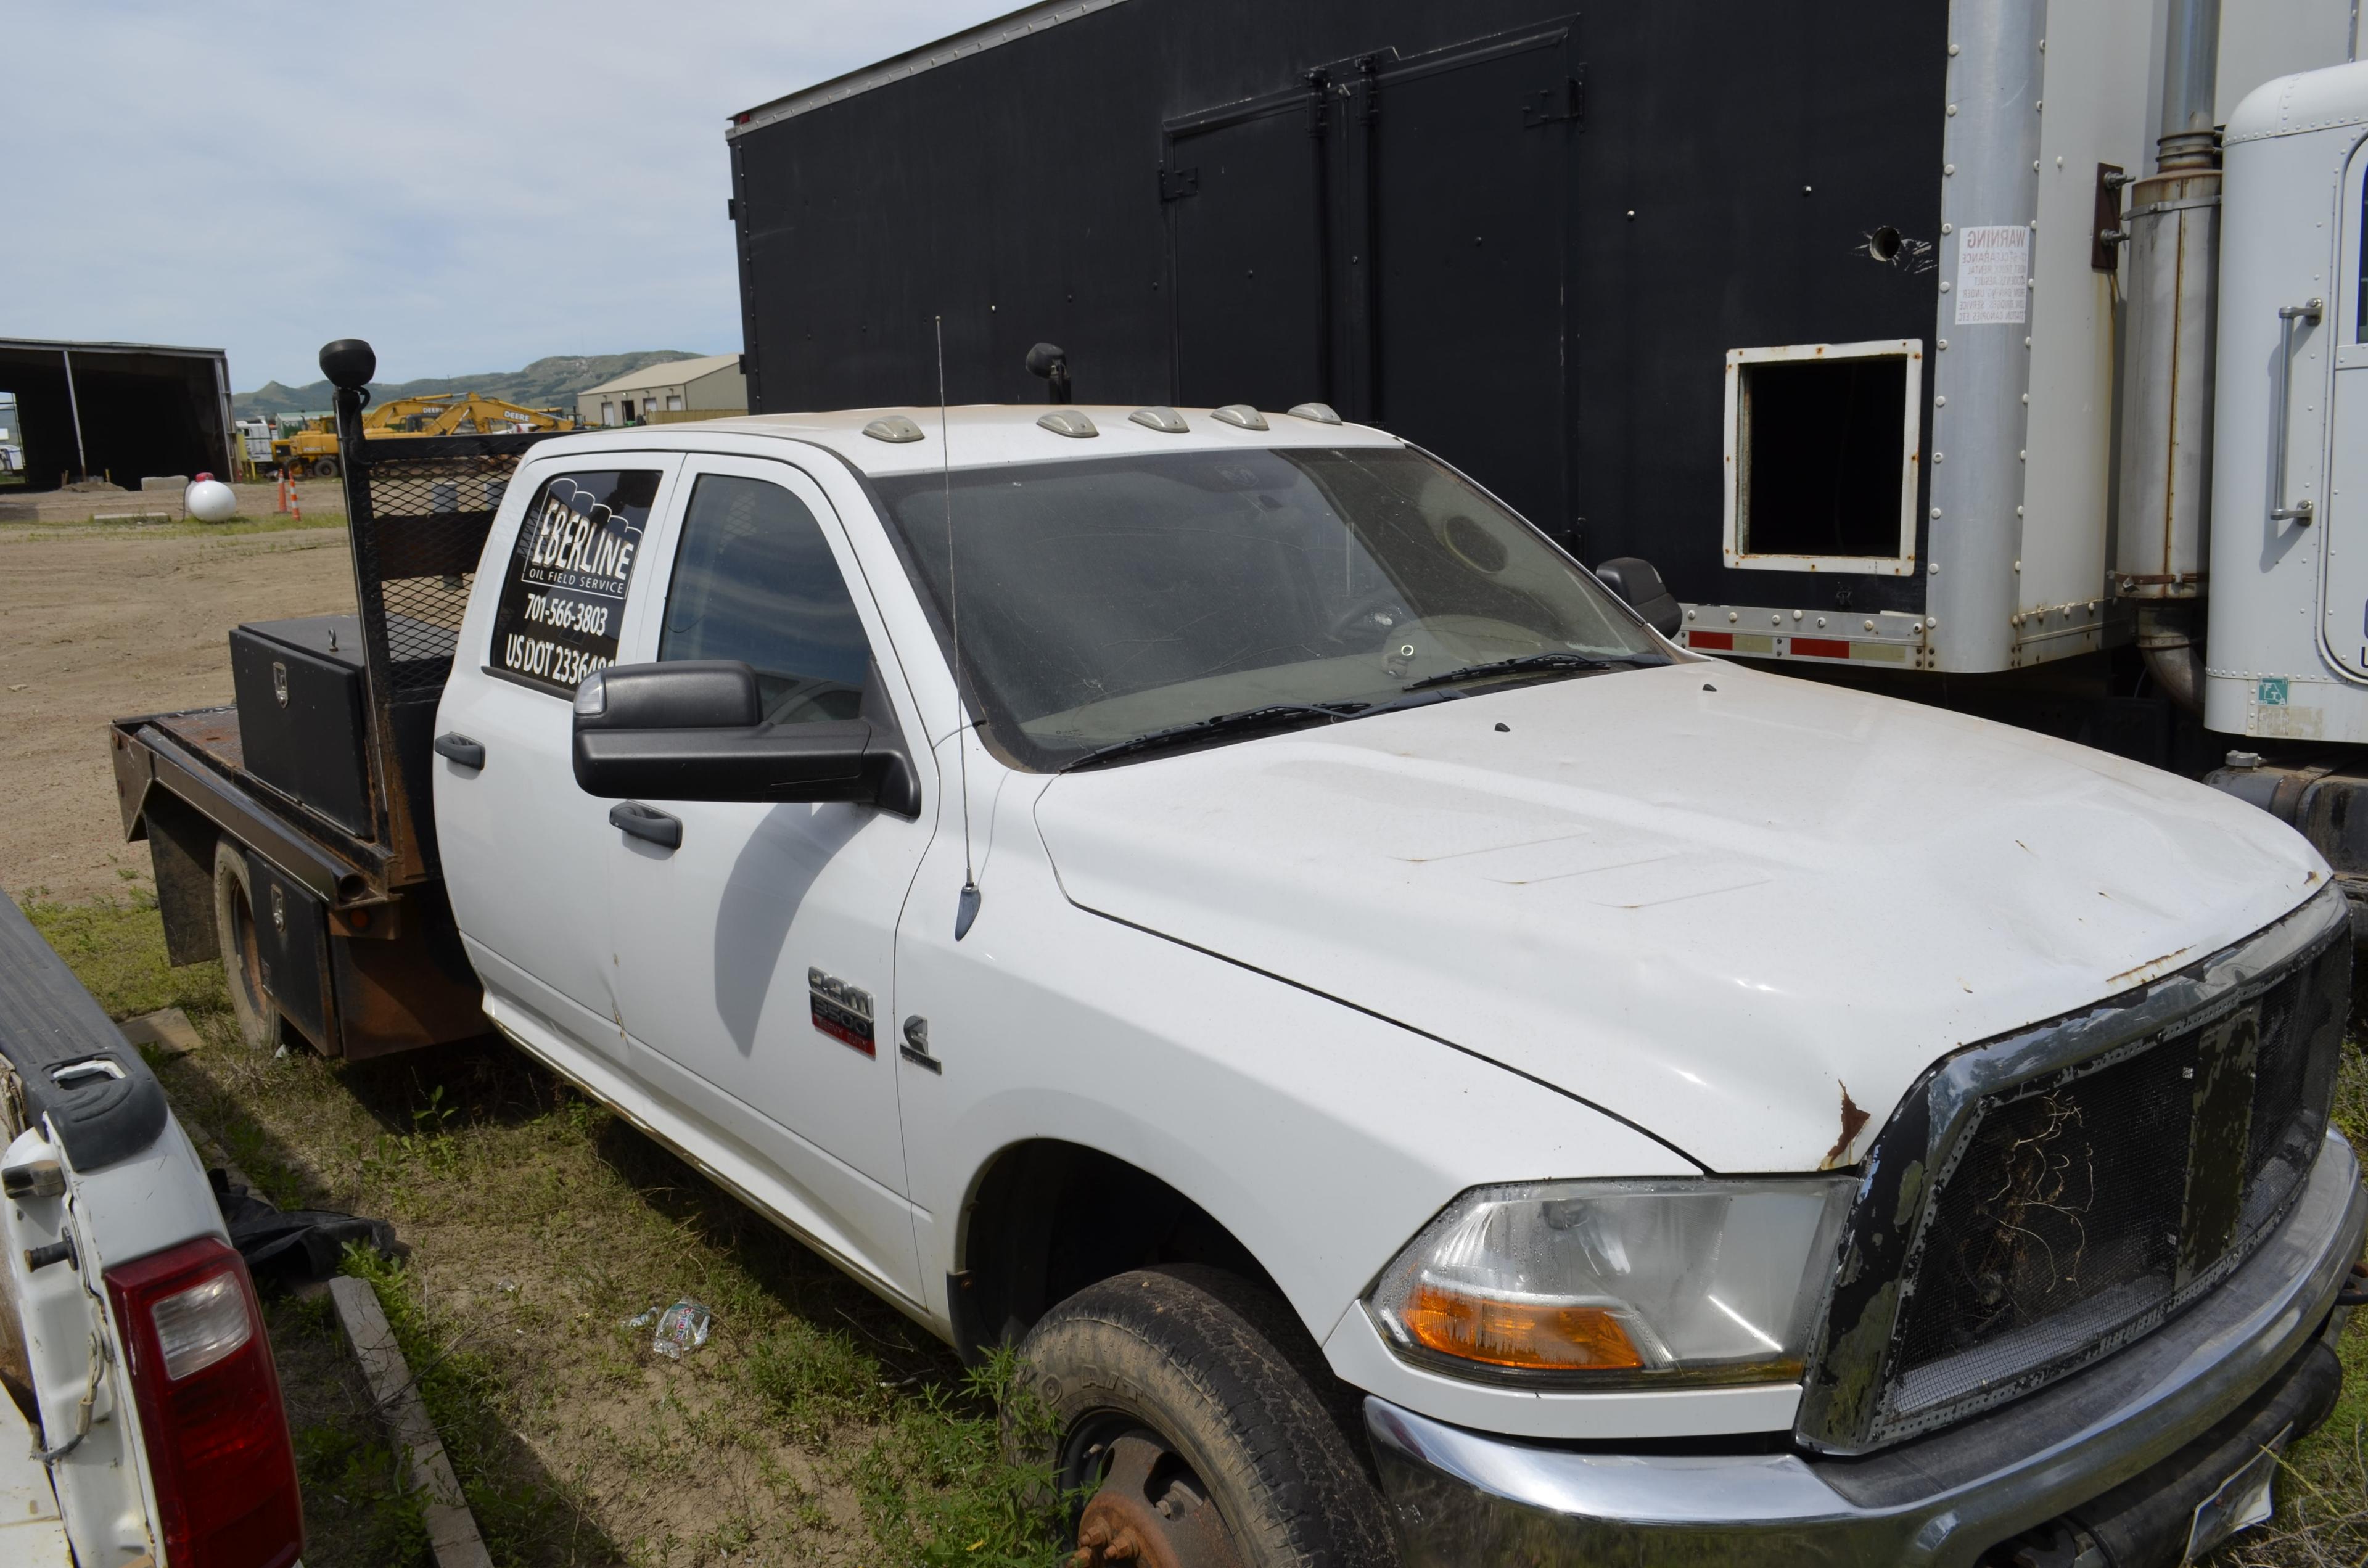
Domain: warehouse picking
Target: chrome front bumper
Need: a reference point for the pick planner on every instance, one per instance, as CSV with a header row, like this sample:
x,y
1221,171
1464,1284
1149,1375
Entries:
x,y
2118,1446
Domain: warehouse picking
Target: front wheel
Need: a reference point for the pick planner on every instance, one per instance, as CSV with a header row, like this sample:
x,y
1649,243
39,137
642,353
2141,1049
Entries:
x,y
1189,1407
325,467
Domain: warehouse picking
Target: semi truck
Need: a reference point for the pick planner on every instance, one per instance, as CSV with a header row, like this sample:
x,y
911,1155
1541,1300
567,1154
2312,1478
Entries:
x,y
1998,354
1425,1065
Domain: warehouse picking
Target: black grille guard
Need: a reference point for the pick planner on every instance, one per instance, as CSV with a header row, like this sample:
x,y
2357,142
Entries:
x,y
1846,1396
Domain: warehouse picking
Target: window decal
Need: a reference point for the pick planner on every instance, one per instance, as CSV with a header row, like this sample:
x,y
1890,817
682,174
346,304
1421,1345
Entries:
x,y
563,596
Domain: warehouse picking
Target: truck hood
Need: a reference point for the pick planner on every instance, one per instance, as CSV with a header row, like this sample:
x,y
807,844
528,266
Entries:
x,y
1741,911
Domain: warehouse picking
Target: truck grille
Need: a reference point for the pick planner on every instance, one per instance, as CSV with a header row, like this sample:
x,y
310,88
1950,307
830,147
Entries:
x,y
2073,1209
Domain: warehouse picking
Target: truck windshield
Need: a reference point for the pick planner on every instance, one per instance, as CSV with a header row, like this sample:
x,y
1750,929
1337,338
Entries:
x,y
1105,601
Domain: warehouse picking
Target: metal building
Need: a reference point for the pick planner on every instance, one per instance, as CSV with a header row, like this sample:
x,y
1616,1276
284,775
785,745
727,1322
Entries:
x,y
705,388
122,411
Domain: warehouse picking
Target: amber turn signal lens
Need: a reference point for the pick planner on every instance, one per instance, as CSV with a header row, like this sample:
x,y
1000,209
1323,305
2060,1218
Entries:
x,y
1533,1336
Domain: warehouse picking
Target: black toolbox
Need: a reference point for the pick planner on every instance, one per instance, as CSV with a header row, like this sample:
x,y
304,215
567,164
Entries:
x,y
302,714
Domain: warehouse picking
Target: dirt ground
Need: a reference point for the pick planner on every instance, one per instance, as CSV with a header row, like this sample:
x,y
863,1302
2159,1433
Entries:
x,y
99,620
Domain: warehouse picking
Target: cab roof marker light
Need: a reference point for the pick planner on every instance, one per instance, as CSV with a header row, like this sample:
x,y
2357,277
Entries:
x,y
1241,415
894,428
1321,413
1166,421
1068,422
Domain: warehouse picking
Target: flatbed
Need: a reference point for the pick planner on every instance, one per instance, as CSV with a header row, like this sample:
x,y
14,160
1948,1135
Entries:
x,y
282,825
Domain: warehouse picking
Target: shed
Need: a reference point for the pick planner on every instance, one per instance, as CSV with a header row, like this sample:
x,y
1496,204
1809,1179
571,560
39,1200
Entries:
x,y
705,388
118,410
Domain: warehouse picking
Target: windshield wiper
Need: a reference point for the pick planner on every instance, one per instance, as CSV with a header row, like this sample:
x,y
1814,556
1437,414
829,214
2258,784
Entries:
x,y
1265,716
1555,660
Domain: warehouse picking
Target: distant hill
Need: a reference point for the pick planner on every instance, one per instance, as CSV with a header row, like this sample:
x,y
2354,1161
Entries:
x,y
547,383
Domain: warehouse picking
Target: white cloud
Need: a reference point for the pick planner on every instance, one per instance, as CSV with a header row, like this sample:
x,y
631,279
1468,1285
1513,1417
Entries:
x,y
468,187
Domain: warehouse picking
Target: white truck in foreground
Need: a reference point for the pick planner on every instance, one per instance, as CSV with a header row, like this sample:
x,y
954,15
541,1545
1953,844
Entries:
x,y
140,1414
1425,1067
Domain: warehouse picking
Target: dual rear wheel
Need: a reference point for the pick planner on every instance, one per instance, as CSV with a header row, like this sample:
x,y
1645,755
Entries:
x,y
242,953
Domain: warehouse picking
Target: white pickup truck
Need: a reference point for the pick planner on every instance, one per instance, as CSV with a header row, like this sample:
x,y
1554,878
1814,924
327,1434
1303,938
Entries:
x,y
1425,1068
140,1414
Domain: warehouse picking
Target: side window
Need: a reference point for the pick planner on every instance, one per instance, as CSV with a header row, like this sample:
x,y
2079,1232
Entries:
x,y
754,580
564,596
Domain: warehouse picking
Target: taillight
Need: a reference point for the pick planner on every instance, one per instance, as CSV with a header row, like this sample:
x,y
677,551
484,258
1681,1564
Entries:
x,y
210,1414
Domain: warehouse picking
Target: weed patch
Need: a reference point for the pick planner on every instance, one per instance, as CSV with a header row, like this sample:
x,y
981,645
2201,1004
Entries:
x,y
817,1426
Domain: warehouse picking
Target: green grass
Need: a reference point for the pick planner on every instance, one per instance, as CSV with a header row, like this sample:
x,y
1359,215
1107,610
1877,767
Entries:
x,y
116,949
817,1424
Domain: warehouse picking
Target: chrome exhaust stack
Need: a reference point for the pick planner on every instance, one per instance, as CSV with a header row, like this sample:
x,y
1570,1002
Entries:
x,y
2171,237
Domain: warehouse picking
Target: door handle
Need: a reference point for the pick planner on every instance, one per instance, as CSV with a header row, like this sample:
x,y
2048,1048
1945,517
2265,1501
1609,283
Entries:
x,y
2301,511
646,822
455,748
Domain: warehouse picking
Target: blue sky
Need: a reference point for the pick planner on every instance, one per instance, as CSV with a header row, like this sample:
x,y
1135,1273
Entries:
x,y
468,187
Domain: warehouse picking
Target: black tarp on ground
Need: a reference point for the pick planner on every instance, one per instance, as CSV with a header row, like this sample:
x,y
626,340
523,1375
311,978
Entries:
x,y
1417,211
145,409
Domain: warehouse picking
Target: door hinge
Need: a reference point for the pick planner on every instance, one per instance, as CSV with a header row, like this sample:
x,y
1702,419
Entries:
x,y
1550,106
1174,184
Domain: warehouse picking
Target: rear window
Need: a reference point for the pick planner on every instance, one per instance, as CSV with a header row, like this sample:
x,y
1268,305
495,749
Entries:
x,y
562,599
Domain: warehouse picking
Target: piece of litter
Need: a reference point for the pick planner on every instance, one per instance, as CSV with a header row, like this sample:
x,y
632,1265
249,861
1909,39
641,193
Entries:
x,y
168,1030
682,1327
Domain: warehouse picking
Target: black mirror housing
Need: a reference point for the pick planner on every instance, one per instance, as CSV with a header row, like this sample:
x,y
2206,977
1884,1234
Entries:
x,y
693,730
1639,585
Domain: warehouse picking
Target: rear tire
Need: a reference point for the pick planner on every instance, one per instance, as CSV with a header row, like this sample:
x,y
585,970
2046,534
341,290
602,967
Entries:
x,y
242,956
1171,1398
325,467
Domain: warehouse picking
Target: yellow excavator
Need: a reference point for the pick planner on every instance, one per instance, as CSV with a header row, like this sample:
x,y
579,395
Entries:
x,y
311,449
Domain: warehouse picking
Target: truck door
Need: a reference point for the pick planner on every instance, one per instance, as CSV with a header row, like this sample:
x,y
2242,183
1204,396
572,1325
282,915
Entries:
x,y
2346,493
522,845
754,960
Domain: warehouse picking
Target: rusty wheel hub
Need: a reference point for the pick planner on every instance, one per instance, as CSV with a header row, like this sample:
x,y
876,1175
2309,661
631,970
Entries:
x,y
1151,1511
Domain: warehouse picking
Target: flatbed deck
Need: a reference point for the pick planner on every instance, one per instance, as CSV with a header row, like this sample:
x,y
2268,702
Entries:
x,y
197,755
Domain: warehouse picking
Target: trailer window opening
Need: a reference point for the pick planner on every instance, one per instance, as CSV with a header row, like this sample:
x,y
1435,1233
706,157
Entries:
x,y
1822,456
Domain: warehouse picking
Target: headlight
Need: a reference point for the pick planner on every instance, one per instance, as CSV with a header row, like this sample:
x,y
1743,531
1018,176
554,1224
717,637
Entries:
x,y
1604,1283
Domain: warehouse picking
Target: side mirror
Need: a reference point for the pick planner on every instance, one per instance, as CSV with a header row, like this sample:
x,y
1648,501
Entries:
x,y
695,730
1640,585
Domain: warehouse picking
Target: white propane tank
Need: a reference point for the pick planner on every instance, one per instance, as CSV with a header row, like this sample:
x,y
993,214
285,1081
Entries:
x,y
211,501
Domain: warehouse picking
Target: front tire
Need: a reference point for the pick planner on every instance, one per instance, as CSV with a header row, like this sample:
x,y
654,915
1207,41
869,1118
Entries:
x,y
325,467
242,955
1191,1405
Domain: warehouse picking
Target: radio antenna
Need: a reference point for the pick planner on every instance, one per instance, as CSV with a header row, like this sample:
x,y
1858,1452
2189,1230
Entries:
x,y
966,907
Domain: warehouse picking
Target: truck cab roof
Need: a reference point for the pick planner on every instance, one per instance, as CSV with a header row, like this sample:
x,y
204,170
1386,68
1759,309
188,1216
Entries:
x,y
982,434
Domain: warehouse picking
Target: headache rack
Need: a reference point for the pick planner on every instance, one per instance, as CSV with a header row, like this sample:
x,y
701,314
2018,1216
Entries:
x,y
319,775
418,508
2039,1201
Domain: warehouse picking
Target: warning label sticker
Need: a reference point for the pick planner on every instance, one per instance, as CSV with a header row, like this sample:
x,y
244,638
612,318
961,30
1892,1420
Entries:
x,y
1993,269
